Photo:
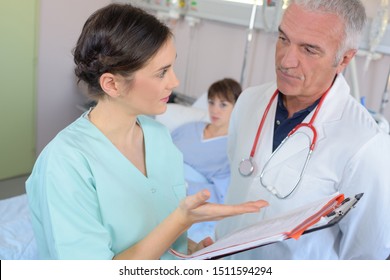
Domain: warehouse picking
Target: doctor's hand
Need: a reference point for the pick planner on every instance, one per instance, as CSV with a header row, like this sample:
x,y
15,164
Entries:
x,y
195,209
193,246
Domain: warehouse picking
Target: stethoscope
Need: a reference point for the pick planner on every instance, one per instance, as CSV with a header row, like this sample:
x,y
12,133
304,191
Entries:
x,y
247,166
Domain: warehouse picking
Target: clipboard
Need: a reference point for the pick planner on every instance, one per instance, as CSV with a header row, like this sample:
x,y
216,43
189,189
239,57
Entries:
x,y
327,221
331,211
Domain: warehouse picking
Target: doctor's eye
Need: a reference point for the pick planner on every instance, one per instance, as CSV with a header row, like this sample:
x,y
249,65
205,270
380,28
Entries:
x,y
311,50
282,38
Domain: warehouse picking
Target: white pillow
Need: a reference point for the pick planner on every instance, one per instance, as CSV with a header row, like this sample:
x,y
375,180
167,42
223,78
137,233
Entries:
x,y
202,102
178,114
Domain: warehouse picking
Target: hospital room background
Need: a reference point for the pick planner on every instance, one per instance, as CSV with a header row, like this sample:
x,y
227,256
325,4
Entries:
x,y
214,39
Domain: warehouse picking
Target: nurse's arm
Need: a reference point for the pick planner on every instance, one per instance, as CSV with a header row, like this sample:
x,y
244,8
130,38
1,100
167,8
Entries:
x,y
192,209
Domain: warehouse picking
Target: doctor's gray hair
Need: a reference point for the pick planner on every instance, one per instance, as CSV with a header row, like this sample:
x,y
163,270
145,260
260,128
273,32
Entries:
x,y
351,12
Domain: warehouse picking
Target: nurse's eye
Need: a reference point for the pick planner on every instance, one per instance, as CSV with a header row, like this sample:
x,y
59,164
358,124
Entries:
x,y
162,73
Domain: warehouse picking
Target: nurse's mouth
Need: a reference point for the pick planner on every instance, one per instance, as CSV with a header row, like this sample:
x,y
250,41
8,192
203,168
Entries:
x,y
166,99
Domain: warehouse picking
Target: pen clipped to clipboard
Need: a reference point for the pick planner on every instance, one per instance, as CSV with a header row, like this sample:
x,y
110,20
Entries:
x,y
337,214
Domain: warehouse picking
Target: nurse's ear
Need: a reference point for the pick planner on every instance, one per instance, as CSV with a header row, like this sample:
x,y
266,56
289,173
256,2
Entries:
x,y
109,84
345,60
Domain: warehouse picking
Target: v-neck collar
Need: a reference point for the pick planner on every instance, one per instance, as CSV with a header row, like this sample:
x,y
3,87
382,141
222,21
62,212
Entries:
x,y
113,147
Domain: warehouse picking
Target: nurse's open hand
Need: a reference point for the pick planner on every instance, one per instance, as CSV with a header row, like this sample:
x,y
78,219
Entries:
x,y
195,208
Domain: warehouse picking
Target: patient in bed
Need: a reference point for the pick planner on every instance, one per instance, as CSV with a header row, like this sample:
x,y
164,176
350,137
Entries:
x,y
204,147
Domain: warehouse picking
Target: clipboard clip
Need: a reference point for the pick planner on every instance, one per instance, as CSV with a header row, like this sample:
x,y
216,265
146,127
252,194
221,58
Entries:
x,y
345,206
337,214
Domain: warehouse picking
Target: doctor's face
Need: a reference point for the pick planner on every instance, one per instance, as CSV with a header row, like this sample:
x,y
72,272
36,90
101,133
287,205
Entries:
x,y
151,86
306,51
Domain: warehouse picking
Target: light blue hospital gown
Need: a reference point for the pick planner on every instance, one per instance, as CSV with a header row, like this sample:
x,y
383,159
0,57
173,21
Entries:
x,y
88,201
206,165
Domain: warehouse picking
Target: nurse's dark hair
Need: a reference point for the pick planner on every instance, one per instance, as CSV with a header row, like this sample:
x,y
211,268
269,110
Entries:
x,y
117,39
351,12
226,89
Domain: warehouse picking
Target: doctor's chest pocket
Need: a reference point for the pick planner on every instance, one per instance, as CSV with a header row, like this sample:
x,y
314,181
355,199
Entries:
x,y
301,182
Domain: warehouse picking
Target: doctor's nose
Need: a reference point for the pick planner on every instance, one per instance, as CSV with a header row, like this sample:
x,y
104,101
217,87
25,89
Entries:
x,y
288,58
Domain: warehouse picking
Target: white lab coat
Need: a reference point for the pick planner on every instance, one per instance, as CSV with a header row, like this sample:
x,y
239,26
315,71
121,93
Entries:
x,y
352,156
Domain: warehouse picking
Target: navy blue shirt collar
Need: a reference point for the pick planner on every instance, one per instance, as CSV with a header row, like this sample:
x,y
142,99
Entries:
x,y
283,125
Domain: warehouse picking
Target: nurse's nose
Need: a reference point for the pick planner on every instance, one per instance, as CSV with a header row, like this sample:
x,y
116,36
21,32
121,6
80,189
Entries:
x,y
174,81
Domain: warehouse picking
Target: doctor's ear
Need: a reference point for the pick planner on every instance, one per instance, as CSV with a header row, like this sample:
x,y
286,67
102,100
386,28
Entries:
x,y
345,60
109,84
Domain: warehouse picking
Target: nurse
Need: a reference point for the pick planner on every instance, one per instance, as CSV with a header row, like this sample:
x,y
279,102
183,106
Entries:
x,y
334,145
110,185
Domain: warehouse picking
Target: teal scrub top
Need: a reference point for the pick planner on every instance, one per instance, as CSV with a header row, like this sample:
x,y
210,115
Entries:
x,y
88,201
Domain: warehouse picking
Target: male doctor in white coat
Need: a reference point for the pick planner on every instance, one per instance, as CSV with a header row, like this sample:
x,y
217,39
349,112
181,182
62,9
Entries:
x,y
317,40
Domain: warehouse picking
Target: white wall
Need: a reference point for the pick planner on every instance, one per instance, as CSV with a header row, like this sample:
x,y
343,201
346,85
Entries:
x,y
57,95
209,51
214,50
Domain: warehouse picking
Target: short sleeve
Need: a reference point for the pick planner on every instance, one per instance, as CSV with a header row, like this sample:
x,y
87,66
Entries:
x,y
63,199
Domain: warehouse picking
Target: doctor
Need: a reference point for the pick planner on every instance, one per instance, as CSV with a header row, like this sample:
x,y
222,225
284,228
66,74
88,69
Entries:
x,y
335,145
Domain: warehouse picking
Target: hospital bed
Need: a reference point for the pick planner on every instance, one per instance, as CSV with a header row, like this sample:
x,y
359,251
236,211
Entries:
x,y
17,240
178,114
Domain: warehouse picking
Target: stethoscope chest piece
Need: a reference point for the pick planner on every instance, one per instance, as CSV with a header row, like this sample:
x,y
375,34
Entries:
x,y
246,167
